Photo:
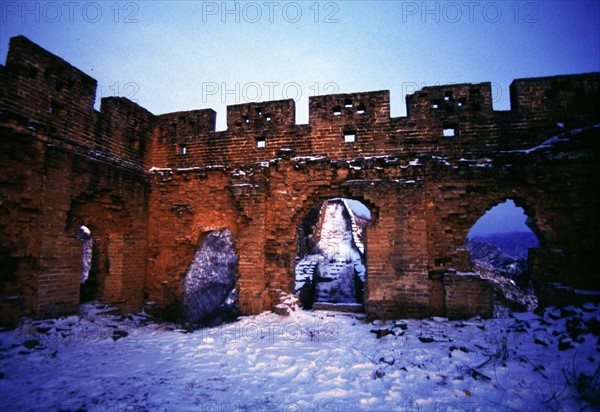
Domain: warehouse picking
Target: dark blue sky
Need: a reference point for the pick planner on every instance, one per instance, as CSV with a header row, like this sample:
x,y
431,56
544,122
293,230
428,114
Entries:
x,y
503,218
183,55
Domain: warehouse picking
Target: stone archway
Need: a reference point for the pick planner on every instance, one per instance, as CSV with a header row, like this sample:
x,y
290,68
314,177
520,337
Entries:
x,y
118,248
535,221
499,245
507,216
331,257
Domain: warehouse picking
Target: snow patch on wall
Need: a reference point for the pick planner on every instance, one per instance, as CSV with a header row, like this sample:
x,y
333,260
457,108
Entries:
x,y
85,235
357,210
209,283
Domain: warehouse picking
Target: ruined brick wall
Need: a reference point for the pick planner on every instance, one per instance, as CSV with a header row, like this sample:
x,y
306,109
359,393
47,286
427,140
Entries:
x,y
424,208
553,186
421,215
466,295
454,121
185,206
65,165
21,194
60,97
150,187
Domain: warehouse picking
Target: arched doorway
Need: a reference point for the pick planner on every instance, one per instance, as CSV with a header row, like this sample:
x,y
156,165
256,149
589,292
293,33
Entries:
x,y
499,244
88,279
330,261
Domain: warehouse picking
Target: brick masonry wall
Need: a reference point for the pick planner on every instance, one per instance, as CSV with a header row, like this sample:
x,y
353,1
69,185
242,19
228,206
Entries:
x,y
467,295
151,187
20,218
47,194
60,98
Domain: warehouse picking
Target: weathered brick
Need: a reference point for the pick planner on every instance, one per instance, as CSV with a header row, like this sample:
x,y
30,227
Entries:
x,y
64,165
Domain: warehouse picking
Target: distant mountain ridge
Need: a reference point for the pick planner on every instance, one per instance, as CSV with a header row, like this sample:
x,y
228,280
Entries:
x,y
494,259
501,258
514,244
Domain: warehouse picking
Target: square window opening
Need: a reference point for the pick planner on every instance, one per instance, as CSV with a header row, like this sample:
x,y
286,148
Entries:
x,y
349,137
337,111
183,149
449,132
261,143
348,103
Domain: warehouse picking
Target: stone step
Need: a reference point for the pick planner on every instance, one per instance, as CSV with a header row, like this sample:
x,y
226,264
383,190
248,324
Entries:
x,y
339,307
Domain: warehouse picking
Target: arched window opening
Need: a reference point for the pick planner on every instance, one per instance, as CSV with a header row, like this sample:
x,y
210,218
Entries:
x,y
209,295
87,280
330,262
499,244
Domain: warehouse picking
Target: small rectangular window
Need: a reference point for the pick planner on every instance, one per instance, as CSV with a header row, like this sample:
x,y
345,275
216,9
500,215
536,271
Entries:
x,y
449,132
261,142
349,137
182,149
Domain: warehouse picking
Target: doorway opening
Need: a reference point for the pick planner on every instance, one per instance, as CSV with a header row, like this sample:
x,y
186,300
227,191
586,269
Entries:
x,y
499,244
88,280
330,261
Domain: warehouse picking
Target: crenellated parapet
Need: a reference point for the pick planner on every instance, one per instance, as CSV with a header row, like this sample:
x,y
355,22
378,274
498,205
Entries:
x,y
569,99
60,98
456,120
175,135
351,110
451,103
41,84
261,117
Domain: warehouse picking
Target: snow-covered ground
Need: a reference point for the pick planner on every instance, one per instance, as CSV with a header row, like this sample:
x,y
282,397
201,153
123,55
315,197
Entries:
x,y
309,361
